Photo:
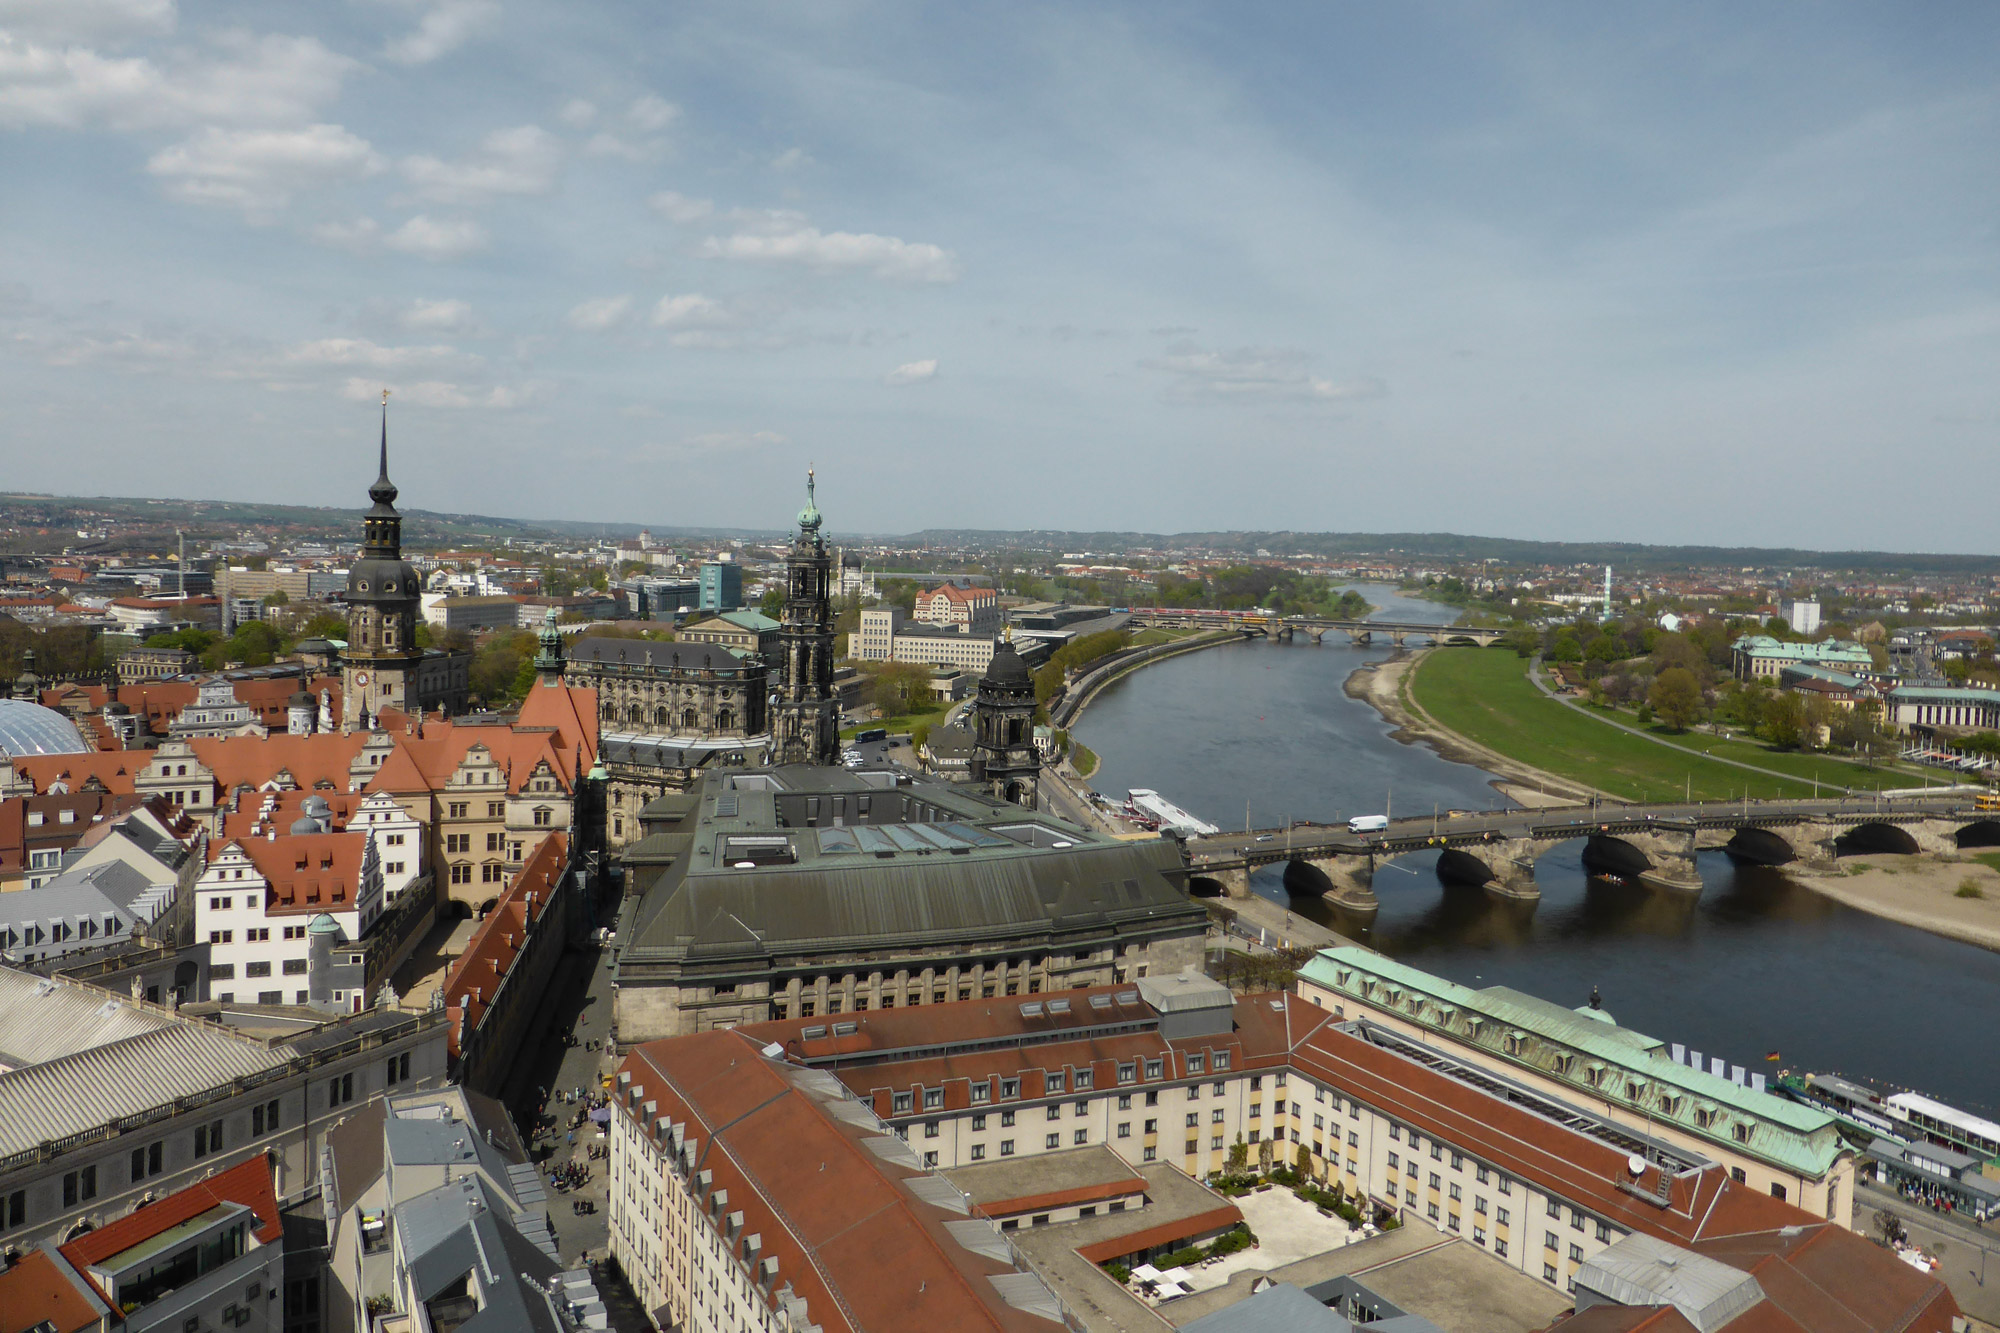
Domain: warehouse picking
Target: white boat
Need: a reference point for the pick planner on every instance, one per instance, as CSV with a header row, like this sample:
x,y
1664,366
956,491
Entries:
x,y
1170,817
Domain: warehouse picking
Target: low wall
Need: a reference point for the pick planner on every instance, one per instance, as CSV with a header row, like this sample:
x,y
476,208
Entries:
x,y
1085,687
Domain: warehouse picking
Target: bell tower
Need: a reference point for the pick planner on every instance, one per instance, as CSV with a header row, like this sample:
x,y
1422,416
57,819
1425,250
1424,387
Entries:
x,y
1004,758
805,723
378,666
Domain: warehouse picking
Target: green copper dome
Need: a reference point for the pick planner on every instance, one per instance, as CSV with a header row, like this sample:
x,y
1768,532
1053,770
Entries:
x,y
809,519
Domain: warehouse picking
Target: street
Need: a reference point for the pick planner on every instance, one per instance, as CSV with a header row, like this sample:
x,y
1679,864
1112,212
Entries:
x,y
1968,1256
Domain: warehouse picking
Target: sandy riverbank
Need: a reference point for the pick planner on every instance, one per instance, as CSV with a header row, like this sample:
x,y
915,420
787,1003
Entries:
x,y
1382,684
1920,891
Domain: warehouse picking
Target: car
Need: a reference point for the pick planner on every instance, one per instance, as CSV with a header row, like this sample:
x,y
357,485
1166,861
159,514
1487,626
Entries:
x,y
1265,837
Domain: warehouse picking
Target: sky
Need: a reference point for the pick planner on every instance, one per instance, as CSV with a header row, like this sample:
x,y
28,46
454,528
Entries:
x,y
1690,273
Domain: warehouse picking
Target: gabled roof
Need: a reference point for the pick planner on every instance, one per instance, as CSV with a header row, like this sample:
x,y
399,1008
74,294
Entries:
x,y
308,871
247,1183
324,756
570,709
500,938
42,1292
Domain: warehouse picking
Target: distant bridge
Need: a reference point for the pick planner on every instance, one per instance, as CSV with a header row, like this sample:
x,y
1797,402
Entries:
x,y
1254,623
1656,844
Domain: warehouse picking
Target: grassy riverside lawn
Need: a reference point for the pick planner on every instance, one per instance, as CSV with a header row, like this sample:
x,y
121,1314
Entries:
x,y
1484,695
893,725
1082,758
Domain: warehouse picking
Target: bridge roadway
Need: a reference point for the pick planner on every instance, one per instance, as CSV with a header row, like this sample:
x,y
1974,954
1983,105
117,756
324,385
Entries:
x,y
1286,627
1652,843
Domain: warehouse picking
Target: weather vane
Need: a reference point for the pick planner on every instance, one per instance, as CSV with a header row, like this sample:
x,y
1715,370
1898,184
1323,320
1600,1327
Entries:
x,y
385,397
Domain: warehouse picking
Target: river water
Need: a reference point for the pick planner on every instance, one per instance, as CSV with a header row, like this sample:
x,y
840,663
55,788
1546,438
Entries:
x,y
1756,964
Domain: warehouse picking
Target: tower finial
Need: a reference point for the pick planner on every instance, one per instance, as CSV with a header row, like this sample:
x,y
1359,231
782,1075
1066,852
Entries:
x,y
383,492
809,517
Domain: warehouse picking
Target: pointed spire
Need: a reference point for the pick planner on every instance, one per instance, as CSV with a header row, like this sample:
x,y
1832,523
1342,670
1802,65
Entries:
x,y
383,492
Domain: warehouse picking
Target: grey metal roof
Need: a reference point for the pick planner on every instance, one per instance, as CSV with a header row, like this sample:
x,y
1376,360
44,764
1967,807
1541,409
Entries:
x,y
1642,1270
1282,1308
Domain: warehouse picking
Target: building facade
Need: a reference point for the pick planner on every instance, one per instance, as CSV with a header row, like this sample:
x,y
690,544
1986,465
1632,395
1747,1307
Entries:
x,y
721,586
967,610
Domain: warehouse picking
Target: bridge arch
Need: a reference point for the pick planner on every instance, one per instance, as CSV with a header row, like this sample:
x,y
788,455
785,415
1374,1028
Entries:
x,y
1607,854
1455,865
1883,839
1204,886
1761,847
1979,833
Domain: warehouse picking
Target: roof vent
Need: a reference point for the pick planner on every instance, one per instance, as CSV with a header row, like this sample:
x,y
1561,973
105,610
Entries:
x,y
844,1029
1032,1009
814,1032
1058,1006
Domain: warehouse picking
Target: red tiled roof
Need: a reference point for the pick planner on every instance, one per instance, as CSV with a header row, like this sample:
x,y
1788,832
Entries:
x,y
247,1183
476,974
861,1249
322,757
37,1289
308,872
1166,1233
287,809
114,769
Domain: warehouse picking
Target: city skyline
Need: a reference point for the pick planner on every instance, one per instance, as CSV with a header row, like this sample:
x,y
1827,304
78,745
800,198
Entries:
x,y
1190,273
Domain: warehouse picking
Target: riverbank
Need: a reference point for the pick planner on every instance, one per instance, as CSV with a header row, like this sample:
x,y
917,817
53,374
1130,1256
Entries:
x,y
1087,686
1385,685
1919,891
1916,891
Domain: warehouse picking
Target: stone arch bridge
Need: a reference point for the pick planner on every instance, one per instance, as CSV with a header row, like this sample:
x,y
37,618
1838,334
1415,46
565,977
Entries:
x,y
1252,625
1654,844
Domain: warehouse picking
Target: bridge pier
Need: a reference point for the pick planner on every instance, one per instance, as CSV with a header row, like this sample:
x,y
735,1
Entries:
x,y
1662,856
1235,883
1504,868
1318,635
1347,881
1397,636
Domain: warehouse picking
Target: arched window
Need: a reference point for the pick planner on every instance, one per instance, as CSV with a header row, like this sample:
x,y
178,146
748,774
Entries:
x,y
659,717
725,719
633,715
688,718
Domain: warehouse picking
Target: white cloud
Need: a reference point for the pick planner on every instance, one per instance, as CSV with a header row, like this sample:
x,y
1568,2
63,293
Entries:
x,y
445,394
437,239
360,236
791,160
692,310
680,208
264,82
258,171
651,114
577,114
603,313
520,161
443,316
110,21
911,372
617,145
782,238
445,26
1256,373
373,355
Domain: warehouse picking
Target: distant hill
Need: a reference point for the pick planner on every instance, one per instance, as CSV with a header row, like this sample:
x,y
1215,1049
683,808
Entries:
x,y
223,519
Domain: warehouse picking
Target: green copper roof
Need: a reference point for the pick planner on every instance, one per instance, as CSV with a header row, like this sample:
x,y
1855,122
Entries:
x,y
1568,1046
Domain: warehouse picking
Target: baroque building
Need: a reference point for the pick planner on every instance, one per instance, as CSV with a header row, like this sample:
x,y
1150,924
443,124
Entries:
x,y
383,666
667,712
1004,760
805,724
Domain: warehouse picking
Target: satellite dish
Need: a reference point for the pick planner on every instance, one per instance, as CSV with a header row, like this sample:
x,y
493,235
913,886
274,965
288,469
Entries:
x,y
1636,1164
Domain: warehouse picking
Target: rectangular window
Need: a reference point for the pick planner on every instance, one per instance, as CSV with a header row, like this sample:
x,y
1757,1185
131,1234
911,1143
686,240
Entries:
x,y
1576,1254
1151,1154
978,1122
930,1129
1434,1180
1052,1141
1125,1129
978,1152
295,967
1081,1137
1604,1233
1479,1173
1197,1063
902,1103
1006,1147
1500,1216
1216,1116
1193,1119
222,971
1548,1272
1500,1247
1127,1073
933,1099
981,1092
1054,1082
1393,1161
1549,1241
17,1209
1555,1209
1010,1088
1006,1120
1455,1195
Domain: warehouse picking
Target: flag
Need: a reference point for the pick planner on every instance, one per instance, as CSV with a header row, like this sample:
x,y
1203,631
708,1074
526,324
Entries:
x,y
1772,1056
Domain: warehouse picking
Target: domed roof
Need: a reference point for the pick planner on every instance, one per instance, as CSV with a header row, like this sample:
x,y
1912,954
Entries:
x,y
1007,670
28,728
301,699
323,925
305,824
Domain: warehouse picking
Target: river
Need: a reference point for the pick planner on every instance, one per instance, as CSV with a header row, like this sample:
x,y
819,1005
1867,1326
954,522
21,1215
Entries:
x,y
1757,964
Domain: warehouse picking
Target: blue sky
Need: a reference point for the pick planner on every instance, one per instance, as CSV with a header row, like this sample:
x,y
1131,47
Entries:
x,y
1691,273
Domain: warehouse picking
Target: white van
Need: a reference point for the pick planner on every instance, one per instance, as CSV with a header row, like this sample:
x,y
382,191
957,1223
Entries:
x,y
1368,824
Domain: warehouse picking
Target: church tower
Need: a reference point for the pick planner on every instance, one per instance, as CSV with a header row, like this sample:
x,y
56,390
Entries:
x,y
379,666
805,723
1004,759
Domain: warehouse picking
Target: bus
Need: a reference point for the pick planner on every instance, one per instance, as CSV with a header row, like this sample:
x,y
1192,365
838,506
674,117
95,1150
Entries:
x,y
1988,800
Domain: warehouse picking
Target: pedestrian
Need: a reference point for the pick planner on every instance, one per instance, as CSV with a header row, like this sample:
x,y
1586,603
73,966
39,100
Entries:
x,y
572,1138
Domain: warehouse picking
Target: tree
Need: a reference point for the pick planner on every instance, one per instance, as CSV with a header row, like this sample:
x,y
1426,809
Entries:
x,y
1676,697
902,688
772,603
1784,721
278,598
1303,1163
1239,1155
